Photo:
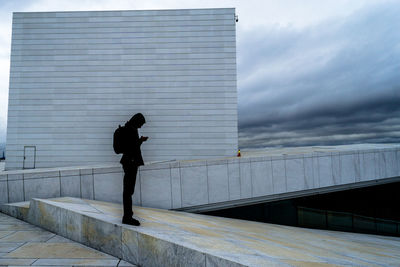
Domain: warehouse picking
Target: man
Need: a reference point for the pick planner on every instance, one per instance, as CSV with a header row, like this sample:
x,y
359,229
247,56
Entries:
x,y
131,160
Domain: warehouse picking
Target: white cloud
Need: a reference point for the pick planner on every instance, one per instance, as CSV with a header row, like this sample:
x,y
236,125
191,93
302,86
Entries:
x,y
4,75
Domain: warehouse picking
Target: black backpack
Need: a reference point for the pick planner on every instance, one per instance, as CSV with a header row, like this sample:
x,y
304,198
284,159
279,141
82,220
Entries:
x,y
119,139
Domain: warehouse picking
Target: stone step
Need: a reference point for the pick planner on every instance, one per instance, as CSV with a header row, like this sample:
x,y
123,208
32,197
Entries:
x,y
17,210
171,238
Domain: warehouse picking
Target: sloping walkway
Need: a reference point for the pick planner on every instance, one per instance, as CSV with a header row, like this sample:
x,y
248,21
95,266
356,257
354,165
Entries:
x,y
171,238
23,244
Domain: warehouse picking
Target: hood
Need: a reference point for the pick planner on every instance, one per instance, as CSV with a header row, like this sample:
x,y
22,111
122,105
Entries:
x,y
136,121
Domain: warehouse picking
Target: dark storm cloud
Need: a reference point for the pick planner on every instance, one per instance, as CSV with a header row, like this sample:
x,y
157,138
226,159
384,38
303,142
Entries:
x,y
334,83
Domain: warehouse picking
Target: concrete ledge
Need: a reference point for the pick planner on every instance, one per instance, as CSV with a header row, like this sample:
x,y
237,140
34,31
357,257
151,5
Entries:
x,y
268,174
17,210
170,238
97,225
283,196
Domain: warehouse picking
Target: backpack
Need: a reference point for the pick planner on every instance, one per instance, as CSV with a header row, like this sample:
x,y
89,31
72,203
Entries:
x,y
119,139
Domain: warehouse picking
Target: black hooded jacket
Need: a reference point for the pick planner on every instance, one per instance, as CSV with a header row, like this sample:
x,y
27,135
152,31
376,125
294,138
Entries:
x,y
133,153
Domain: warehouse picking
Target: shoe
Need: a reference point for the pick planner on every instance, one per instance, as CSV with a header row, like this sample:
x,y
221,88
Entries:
x,y
130,221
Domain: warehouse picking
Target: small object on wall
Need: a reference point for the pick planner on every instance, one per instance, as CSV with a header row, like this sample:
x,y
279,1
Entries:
x,y
238,154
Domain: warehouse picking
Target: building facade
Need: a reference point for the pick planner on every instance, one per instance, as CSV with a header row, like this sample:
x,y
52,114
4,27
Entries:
x,y
75,76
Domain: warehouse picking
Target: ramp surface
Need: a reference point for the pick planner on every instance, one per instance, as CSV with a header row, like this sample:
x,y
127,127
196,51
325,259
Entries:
x,y
171,238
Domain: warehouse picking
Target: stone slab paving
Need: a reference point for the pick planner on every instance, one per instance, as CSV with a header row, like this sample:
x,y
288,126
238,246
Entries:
x,y
22,244
171,238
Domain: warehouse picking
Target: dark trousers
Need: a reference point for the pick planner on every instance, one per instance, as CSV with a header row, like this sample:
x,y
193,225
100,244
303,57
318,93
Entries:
x,y
130,170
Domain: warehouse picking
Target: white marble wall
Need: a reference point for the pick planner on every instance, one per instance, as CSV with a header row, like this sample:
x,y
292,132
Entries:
x,y
174,185
75,76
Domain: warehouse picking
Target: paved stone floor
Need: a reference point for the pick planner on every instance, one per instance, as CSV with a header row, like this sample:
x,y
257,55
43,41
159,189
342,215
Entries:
x,y
22,244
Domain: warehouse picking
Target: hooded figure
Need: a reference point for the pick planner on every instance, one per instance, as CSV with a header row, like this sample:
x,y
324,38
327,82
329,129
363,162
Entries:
x,y
133,142
131,160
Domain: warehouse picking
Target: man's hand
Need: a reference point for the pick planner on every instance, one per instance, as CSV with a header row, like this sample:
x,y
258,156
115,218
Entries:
x,y
144,138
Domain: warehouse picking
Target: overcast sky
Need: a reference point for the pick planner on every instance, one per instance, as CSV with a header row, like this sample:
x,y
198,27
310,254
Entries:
x,y
310,72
